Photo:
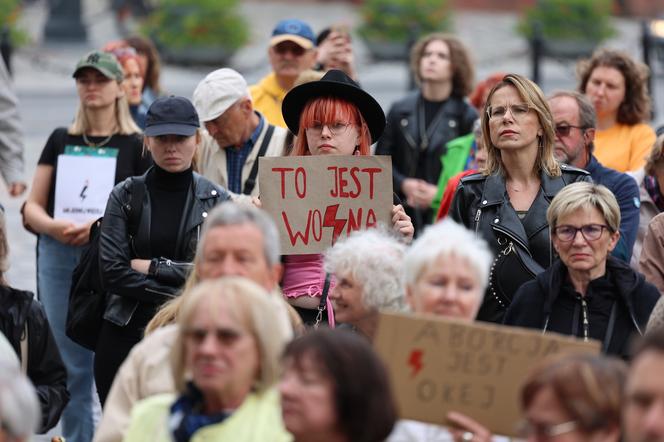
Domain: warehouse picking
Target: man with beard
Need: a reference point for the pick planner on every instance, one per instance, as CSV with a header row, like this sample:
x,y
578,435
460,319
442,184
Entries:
x,y
643,408
236,134
292,51
575,122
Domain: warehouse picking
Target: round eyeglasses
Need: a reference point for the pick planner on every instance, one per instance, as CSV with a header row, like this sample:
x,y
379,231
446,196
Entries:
x,y
336,128
518,111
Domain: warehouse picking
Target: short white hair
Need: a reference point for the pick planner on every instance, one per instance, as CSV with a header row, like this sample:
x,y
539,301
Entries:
x,y
19,408
447,238
373,258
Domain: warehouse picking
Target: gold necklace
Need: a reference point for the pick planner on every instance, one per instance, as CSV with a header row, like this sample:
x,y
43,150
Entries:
x,y
101,143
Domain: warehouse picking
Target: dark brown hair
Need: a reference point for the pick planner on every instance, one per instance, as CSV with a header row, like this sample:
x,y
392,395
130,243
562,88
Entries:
x,y
588,388
635,107
363,398
145,47
463,73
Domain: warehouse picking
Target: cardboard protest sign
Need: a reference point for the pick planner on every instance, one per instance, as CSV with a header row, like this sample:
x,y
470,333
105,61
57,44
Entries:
x,y
317,199
439,365
84,178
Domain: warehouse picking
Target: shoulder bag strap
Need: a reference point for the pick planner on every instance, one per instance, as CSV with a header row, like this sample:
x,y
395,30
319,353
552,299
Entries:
x,y
251,180
322,305
136,203
24,349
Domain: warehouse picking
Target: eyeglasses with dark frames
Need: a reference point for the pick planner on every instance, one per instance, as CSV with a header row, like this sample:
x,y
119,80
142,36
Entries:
x,y
336,128
563,130
591,232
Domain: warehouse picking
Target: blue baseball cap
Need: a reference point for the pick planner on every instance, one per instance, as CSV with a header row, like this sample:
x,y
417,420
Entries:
x,y
171,116
293,30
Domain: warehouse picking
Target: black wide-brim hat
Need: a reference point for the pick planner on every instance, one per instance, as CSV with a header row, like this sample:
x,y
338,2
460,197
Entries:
x,y
335,83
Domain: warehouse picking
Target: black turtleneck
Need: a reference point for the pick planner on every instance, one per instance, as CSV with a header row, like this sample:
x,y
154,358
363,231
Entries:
x,y
168,194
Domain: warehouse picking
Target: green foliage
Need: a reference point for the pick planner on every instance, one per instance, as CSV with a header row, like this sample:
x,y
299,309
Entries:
x,y
9,12
569,20
397,20
197,23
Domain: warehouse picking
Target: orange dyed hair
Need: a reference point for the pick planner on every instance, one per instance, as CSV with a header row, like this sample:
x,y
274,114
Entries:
x,y
330,110
477,97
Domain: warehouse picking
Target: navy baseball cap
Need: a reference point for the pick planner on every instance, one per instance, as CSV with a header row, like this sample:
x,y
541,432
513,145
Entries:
x,y
171,116
293,30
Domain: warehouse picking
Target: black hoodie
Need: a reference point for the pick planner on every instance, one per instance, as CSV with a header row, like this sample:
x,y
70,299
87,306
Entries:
x,y
618,305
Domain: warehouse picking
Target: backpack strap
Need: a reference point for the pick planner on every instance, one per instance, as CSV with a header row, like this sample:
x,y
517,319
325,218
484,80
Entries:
x,y
136,203
24,349
251,180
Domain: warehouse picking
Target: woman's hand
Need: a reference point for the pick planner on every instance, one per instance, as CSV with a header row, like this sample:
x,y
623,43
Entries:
x,y
419,193
61,230
466,429
401,223
256,201
79,234
140,265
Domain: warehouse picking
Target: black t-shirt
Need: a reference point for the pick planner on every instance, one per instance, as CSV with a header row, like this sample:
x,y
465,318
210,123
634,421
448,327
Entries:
x,y
130,160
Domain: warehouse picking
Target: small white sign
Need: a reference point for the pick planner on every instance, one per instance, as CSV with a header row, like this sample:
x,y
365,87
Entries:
x,y
83,183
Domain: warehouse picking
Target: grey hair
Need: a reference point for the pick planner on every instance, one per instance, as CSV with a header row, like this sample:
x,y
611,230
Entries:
x,y
373,258
587,114
447,238
19,407
232,214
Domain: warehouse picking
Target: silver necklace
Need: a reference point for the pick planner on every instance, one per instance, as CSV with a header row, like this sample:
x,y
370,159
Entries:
x,y
101,143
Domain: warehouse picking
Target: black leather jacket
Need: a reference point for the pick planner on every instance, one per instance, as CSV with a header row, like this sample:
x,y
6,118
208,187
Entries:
x,y
401,137
126,287
481,203
45,367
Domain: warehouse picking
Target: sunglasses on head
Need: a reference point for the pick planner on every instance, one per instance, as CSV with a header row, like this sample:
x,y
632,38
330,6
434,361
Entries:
x,y
293,48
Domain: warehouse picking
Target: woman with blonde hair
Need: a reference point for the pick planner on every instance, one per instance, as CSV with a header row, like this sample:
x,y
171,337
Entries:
x,y
586,293
225,364
104,131
506,203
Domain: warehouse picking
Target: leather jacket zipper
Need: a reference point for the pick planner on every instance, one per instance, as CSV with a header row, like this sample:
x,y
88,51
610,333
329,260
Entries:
x,y
477,220
513,238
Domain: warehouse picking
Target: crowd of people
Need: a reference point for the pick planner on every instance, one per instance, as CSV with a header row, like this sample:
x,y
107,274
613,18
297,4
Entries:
x,y
508,207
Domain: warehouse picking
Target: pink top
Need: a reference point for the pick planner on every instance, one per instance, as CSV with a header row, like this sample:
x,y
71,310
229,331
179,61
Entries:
x,y
304,276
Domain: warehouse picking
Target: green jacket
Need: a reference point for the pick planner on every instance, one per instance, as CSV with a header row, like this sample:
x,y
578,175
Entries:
x,y
453,161
257,420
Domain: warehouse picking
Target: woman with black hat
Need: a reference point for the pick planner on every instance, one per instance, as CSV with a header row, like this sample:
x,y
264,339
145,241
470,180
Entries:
x,y
332,116
99,149
150,232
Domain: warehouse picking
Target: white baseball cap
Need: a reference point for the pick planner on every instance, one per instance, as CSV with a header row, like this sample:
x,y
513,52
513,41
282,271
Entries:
x,y
218,91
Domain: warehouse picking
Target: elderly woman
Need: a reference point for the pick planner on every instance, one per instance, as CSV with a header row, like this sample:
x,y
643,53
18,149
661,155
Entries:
x,y
331,116
651,193
506,203
617,85
334,388
225,362
445,273
586,293
367,268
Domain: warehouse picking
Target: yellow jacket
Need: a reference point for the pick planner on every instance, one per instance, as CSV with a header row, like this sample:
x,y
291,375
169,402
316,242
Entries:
x,y
257,420
267,96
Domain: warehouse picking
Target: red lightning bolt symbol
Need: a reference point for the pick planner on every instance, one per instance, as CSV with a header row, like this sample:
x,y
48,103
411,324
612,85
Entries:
x,y
330,220
415,361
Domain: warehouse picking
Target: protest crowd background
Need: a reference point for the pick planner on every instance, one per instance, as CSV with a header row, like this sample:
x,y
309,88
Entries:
x,y
303,243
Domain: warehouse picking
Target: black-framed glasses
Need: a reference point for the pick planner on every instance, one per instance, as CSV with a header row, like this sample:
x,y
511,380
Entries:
x,y
336,128
591,232
563,130
518,111
545,431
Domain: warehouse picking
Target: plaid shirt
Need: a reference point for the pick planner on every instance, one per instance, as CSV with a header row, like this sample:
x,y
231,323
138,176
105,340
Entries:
x,y
236,157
